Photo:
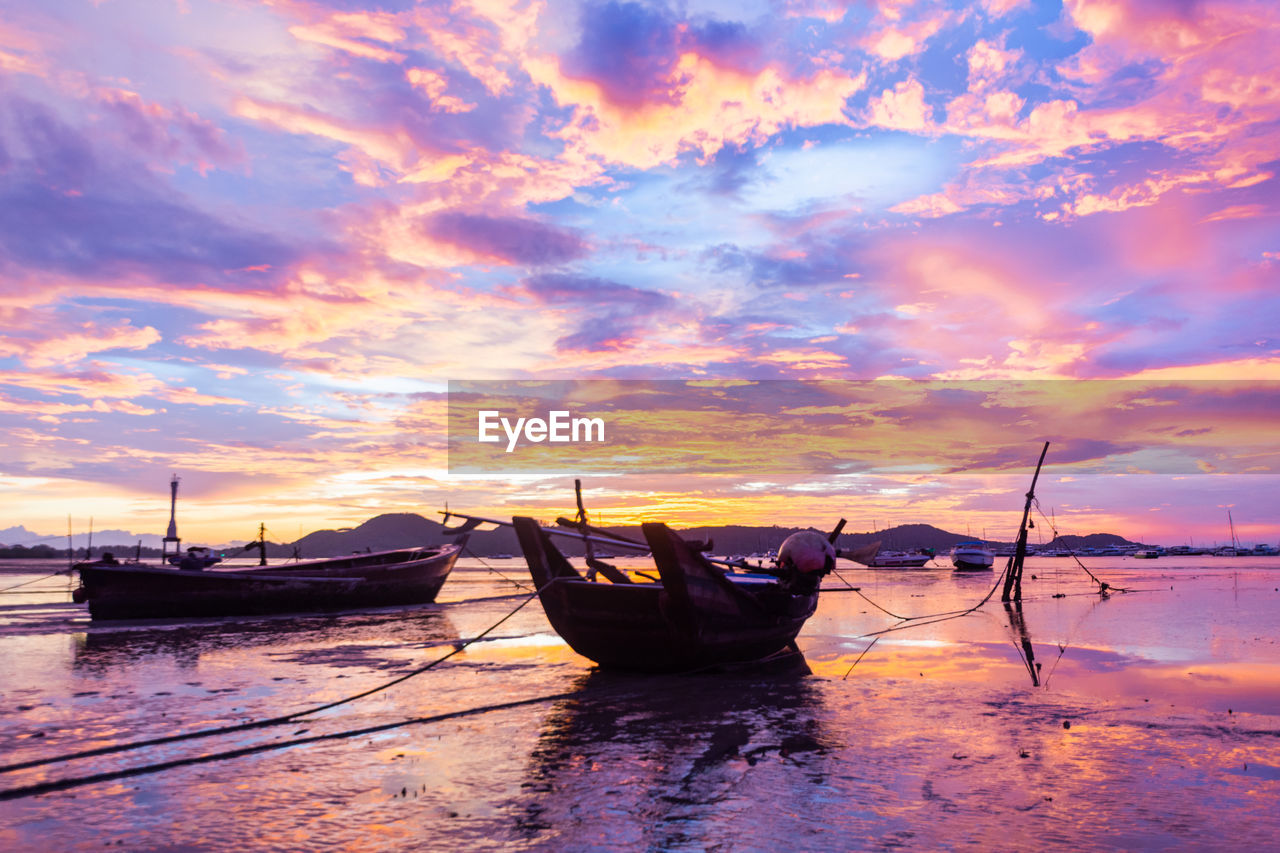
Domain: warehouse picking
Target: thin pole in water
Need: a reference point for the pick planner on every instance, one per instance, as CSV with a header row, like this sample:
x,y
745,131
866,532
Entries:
x,y
1013,574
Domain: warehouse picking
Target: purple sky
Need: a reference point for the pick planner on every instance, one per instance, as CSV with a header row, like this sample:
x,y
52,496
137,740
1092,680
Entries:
x,y
251,243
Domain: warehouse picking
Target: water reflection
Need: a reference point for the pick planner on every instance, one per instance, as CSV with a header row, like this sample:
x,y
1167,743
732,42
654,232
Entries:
x,y
1018,624
98,650
673,752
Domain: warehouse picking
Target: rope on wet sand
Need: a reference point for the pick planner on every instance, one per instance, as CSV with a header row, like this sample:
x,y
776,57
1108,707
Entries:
x,y
860,657
1103,586
111,775
258,724
481,561
35,580
949,614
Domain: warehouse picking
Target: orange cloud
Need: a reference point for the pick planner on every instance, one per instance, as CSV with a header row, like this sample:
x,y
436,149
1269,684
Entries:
x,y
1259,369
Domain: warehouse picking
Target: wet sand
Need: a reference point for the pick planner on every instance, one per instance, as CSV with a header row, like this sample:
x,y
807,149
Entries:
x,y
1155,723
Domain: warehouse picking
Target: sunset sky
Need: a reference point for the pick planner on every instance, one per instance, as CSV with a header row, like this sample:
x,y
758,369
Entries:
x,y
250,244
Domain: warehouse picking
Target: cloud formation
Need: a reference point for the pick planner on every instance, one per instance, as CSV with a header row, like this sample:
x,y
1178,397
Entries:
x,y
309,227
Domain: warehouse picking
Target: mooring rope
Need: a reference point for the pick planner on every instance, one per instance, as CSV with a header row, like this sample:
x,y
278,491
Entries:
x,y
1103,586
34,580
272,721
110,775
480,560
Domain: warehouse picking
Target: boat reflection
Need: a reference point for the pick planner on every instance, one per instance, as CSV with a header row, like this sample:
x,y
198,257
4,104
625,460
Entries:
x,y
673,751
96,651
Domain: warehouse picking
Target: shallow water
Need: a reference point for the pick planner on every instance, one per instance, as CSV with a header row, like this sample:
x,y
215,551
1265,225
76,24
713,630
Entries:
x,y
1154,723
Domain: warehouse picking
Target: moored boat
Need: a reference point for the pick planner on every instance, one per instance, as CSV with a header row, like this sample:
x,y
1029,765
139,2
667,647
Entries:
x,y
972,556
696,614
899,560
377,579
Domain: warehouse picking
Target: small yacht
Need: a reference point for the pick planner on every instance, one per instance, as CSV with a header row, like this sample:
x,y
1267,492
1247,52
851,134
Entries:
x,y
972,556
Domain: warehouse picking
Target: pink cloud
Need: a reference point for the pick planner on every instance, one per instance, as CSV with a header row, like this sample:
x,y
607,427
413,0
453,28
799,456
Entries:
x,y
170,134
1236,211
898,42
59,345
901,108
711,108
433,86
483,239
353,32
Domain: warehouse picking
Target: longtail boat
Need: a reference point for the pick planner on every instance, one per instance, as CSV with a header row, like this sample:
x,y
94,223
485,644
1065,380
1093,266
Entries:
x,y
378,579
695,615
696,612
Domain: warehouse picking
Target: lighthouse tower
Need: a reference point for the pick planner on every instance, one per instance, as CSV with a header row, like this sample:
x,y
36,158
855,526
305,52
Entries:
x,y
172,534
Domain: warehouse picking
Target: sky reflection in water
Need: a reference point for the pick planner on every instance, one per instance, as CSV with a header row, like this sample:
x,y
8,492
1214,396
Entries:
x,y
1159,725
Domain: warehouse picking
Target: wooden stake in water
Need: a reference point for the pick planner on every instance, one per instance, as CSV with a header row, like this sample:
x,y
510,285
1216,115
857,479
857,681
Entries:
x,y
1013,571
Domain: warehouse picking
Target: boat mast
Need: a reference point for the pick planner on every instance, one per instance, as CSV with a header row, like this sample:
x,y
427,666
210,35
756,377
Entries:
x,y
172,534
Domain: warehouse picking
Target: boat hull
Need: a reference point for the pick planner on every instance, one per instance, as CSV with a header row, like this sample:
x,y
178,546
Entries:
x,y
695,617
972,558
630,626
412,576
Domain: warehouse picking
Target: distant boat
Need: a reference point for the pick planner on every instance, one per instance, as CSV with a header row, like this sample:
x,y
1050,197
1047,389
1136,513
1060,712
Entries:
x,y
972,556
899,560
1146,554
378,579
1234,549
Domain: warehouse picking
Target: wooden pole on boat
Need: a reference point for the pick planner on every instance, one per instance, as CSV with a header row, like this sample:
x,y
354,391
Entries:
x,y
1013,571
582,528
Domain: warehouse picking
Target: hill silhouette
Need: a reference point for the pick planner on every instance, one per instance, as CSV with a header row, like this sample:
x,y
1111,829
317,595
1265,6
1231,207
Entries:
x,y
408,530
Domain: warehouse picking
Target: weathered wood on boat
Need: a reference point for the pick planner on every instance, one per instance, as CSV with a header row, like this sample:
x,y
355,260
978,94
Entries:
x,y
380,579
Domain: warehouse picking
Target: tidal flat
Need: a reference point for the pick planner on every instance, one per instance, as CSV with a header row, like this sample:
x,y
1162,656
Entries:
x,y
1147,719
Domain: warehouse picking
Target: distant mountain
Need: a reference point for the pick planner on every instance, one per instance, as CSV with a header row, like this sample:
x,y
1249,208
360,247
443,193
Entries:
x,y
407,530
1093,540
381,533
111,538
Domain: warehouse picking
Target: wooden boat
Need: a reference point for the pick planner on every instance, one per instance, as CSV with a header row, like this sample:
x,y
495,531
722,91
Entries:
x,y
378,579
696,614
